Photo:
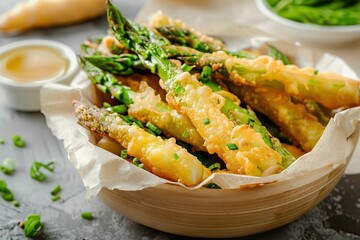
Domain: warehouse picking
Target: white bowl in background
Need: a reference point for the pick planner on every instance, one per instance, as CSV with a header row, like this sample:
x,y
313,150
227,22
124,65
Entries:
x,y
310,33
25,96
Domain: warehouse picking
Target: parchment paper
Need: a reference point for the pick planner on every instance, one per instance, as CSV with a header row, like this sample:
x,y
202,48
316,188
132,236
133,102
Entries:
x,y
100,168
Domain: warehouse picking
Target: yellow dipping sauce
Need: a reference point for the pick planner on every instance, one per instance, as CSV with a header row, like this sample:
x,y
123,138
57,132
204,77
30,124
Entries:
x,y
32,63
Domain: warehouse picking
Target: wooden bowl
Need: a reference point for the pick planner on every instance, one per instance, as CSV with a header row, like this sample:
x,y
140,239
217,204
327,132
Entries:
x,y
219,213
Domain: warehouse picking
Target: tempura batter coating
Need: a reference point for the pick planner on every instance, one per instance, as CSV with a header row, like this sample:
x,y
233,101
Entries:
x,y
162,157
198,102
148,107
293,119
328,88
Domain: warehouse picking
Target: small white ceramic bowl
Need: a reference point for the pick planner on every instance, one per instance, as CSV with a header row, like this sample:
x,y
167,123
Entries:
x,y
311,33
25,96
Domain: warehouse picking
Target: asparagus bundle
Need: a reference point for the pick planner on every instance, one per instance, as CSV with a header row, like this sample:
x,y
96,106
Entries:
x,y
241,148
198,100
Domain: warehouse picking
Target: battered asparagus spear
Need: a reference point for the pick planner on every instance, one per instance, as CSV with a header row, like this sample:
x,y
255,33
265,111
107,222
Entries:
x,y
179,34
293,119
146,106
162,157
330,89
242,149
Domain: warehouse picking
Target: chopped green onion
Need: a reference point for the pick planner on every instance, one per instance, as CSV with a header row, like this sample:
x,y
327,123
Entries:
x,y
33,225
153,128
55,190
206,74
2,141
87,215
214,166
179,90
176,156
206,121
184,134
232,146
213,186
8,166
106,105
316,72
121,109
35,172
55,198
123,153
5,192
137,163
186,68
16,203
18,141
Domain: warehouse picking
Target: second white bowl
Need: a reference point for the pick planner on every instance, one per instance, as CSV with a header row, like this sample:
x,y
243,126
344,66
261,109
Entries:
x,y
310,33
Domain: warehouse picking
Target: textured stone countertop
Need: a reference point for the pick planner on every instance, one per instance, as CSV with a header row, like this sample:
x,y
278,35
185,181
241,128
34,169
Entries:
x,y
337,217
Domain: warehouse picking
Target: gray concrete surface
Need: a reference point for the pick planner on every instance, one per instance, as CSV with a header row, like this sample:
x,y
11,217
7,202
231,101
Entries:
x,y
337,217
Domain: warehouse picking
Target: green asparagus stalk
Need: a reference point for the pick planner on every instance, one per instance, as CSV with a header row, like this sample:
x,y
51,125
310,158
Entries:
x,y
241,115
145,106
293,119
179,34
162,157
237,145
327,88
121,65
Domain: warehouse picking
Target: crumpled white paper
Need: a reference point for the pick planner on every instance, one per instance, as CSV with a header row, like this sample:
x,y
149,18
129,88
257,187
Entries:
x,y
100,168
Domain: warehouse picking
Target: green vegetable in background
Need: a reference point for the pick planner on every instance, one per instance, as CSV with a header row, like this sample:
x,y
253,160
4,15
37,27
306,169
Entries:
x,y
321,12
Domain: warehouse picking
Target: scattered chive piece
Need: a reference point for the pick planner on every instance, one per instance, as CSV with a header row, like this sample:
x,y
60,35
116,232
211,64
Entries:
x,y
33,225
35,172
179,90
137,163
87,215
215,166
186,68
8,166
206,121
206,74
176,156
316,72
121,109
184,134
106,105
153,128
123,153
16,203
213,186
232,146
18,141
56,190
5,192
55,198
2,141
